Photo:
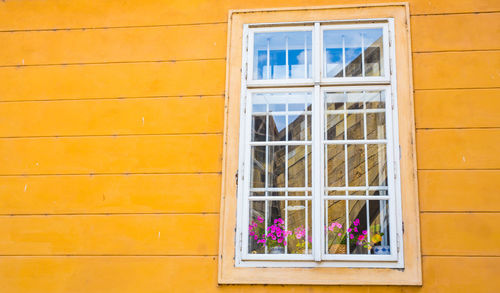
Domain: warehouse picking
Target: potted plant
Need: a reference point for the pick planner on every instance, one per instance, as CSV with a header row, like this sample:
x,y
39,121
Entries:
x,y
276,237
338,235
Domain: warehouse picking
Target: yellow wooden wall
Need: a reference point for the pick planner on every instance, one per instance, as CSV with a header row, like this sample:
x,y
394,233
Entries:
x,y
111,120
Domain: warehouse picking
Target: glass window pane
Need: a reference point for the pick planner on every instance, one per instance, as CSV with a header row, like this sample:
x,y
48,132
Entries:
x,y
335,169
358,227
373,51
334,127
296,166
353,53
379,227
377,165
258,128
258,172
356,164
282,55
355,126
256,227
277,127
296,224
375,125
375,100
336,238
276,166
296,127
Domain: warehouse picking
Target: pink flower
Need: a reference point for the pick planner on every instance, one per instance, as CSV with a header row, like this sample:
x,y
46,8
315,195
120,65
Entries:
x,y
361,237
364,232
280,240
255,237
261,241
355,229
351,236
349,230
299,232
339,225
340,234
356,222
278,220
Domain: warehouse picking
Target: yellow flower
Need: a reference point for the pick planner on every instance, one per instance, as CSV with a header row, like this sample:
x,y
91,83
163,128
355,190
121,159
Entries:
x,y
376,238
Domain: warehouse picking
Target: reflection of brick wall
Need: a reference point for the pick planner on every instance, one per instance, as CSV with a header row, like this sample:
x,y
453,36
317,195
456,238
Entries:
x,y
335,157
372,62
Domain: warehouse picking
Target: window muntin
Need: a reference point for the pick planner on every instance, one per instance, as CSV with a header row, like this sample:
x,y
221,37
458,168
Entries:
x,y
364,110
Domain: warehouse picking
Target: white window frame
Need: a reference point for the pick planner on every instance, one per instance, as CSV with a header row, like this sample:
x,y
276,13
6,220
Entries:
x,y
318,86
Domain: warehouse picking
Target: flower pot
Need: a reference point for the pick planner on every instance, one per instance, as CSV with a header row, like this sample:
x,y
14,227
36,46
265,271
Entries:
x,y
338,249
381,249
277,250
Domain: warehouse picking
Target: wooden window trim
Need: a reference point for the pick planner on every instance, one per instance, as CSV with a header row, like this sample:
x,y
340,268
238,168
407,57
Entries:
x,y
411,274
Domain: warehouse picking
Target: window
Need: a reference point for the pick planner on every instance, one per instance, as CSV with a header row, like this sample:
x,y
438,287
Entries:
x,y
320,168
318,151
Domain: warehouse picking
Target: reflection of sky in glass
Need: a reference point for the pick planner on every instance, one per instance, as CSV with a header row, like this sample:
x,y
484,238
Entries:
x,y
277,45
352,41
280,122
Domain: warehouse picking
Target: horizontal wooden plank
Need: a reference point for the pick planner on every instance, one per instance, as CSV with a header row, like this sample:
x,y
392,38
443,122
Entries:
x,y
112,116
113,80
114,45
459,274
449,70
194,234
447,108
199,274
455,32
468,190
152,193
460,233
167,234
106,154
76,14
458,149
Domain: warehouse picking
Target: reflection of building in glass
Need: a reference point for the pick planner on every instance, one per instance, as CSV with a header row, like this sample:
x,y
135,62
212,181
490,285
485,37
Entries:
x,y
354,65
335,156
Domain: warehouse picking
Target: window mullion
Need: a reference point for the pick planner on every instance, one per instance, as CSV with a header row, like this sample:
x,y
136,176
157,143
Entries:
x,y
316,148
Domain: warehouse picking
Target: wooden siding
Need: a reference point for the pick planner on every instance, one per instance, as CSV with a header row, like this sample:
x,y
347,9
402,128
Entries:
x,y
111,117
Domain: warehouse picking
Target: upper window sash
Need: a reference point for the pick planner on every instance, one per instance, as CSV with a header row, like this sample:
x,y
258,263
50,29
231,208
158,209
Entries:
x,y
357,45
286,55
